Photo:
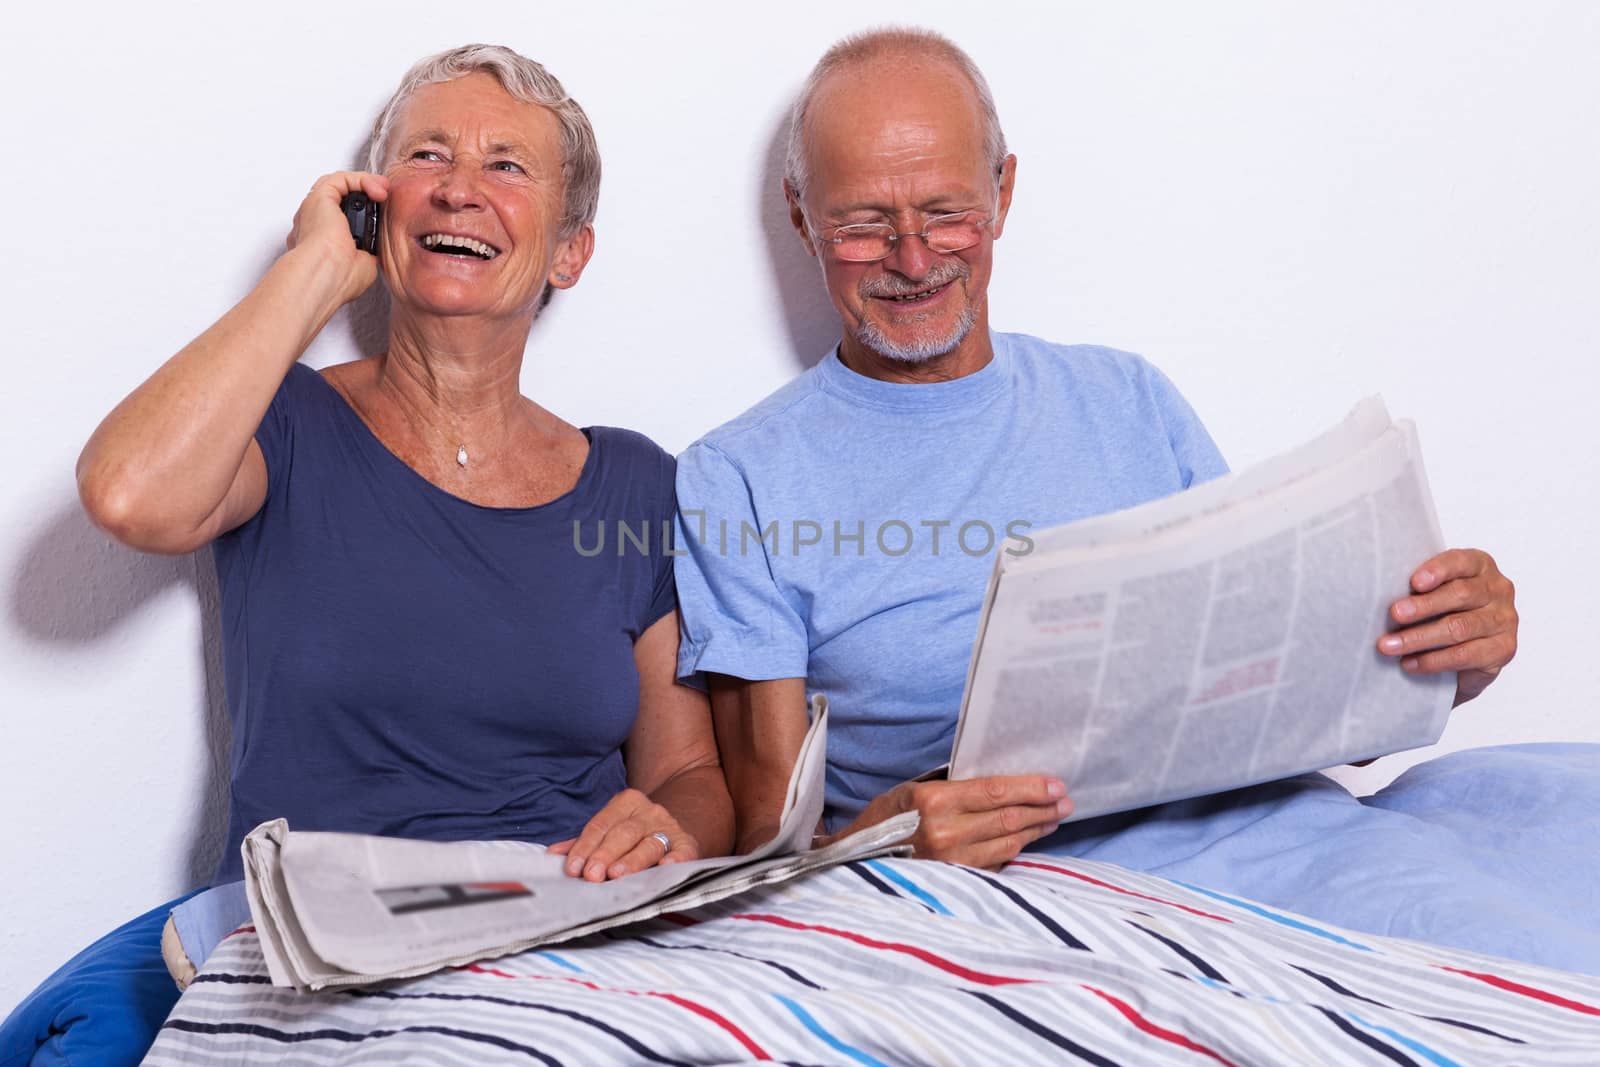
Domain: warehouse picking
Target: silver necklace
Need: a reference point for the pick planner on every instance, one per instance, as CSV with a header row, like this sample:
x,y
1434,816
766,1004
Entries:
x,y
461,455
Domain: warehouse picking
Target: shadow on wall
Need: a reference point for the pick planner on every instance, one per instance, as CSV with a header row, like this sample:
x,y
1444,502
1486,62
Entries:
x,y
809,317
73,585
366,318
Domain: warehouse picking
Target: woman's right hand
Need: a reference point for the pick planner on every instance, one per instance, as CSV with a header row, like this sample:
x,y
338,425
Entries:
x,y
320,229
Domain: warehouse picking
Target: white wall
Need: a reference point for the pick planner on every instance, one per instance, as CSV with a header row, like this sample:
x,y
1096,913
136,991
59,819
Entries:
x,y
1285,208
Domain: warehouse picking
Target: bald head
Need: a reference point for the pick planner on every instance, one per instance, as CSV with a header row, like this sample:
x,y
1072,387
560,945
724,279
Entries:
x,y
920,68
894,132
894,124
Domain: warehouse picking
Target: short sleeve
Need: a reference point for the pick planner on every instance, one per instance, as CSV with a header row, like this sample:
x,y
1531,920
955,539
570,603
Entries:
x,y
275,435
663,592
735,619
1199,459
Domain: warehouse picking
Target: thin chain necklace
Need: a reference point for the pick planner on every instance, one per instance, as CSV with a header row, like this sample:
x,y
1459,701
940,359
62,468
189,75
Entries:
x,y
461,447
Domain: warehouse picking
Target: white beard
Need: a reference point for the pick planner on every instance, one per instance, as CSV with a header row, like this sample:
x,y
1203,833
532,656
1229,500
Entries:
x,y
919,351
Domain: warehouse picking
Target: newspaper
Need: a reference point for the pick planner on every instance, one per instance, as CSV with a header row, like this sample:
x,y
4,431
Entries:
x,y
1217,638
335,910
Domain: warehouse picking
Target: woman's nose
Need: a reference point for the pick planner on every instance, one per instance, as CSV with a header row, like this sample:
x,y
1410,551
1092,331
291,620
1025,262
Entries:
x,y
459,188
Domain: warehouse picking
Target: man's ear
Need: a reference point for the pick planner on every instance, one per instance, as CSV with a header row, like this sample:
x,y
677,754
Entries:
x,y
797,217
572,255
1008,183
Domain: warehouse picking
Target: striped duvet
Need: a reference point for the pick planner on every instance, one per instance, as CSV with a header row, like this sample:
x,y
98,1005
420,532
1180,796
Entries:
x,y
913,962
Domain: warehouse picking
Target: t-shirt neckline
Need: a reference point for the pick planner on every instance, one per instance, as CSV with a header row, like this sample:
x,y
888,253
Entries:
x,y
969,391
585,476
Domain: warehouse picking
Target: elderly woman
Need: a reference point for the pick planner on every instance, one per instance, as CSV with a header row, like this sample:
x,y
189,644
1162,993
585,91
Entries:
x,y
413,643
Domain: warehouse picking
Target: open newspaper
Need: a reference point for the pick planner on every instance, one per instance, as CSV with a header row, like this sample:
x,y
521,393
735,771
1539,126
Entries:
x,y
1217,638
351,909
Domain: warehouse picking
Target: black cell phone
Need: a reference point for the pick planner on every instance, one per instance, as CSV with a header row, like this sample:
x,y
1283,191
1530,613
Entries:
x,y
361,212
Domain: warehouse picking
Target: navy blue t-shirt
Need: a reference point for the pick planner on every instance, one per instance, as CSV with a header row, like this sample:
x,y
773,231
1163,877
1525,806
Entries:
x,y
400,661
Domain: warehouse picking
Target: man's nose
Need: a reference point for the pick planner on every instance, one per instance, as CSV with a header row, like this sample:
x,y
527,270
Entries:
x,y
459,187
911,257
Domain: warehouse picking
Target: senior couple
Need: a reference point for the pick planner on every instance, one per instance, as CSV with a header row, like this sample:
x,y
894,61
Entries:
x,y
413,648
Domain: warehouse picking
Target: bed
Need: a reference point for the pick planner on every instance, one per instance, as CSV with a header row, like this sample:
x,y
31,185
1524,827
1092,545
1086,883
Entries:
x,y
892,961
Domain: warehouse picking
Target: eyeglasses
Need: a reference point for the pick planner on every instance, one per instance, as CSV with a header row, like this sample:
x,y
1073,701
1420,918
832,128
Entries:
x,y
868,242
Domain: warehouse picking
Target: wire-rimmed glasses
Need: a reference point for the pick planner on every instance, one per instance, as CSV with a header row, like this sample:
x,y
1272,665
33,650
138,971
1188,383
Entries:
x,y
868,242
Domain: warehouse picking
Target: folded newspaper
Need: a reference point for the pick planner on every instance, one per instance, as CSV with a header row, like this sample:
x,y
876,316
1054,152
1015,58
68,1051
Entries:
x,y
1217,638
336,910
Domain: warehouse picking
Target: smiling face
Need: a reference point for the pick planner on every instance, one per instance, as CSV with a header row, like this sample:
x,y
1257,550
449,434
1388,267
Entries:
x,y
896,141
472,223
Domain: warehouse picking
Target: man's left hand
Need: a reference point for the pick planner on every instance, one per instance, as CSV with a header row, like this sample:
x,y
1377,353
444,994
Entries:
x,y
1462,617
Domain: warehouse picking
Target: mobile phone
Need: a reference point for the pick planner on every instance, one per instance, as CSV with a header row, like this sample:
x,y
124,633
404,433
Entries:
x,y
361,212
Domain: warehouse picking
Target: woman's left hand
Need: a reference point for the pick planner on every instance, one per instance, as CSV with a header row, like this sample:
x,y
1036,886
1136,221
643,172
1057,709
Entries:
x,y
621,839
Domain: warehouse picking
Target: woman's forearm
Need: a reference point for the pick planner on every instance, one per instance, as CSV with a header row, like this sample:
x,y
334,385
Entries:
x,y
698,799
163,462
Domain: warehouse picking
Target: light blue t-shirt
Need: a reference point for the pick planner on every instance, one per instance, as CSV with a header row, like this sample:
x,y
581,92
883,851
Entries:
x,y
843,529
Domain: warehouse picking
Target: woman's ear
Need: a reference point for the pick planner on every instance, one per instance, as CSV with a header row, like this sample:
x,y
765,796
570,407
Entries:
x,y
572,255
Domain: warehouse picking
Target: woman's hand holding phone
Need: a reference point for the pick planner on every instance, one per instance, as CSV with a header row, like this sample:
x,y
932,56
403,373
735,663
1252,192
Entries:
x,y
323,229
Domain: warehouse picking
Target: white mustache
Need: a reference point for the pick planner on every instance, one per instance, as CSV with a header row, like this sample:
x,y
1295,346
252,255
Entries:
x,y
887,285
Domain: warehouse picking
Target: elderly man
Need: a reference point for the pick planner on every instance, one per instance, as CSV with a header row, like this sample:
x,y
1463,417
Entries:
x,y
839,533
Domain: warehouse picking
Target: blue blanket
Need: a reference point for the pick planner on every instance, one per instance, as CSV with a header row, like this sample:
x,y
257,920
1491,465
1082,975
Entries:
x,y
1494,850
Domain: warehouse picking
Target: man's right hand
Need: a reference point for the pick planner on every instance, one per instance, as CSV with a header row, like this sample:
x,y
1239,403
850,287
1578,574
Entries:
x,y
981,822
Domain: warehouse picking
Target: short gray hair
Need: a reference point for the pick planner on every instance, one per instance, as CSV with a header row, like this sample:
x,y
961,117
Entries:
x,y
889,41
528,82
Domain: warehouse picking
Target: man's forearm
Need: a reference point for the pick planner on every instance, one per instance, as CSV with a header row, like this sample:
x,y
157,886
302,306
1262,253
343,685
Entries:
x,y
758,799
760,728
